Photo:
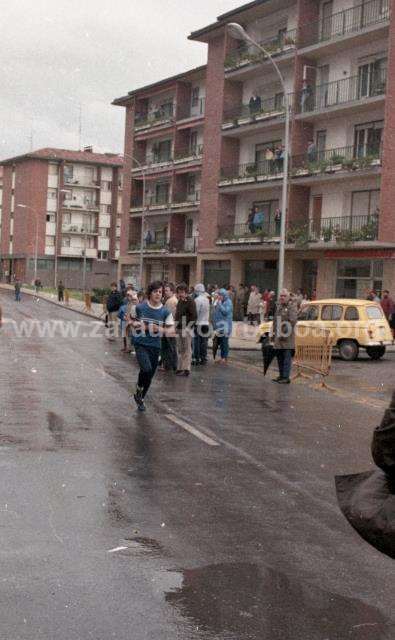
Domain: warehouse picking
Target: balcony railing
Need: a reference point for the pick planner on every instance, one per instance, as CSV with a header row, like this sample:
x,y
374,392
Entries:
x,y
344,230
72,228
189,153
88,184
150,201
246,114
243,56
191,199
345,22
349,158
152,159
252,172
154,118
189,245
82,206
249,232
341,92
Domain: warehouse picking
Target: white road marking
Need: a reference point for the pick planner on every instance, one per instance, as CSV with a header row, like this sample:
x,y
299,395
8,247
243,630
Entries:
x,y
198,434
117,549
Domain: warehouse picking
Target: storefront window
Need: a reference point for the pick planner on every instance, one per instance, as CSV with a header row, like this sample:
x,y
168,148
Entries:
x,y
356,277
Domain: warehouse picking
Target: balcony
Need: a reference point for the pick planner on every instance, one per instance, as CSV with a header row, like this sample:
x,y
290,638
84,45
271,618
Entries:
x,y
249,233
77,230
189,154
349,22
86,184
153,162
245,116
343,231
80,206
243,57
78,252
195,110
344,162
186,201
324,98
152,203
154,119
251,173
163,246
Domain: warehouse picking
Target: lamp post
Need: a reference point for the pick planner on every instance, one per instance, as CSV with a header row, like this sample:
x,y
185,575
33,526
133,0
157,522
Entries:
x,y
141,260
239,33
25,206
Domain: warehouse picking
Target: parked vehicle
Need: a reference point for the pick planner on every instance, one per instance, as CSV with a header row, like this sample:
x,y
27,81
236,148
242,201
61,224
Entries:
x,y
353,325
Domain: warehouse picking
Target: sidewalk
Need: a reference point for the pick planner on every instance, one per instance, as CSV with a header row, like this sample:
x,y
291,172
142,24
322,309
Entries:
x,y
243,337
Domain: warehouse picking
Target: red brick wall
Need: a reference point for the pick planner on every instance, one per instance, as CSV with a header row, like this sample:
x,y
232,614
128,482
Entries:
x,y
183,99
127,182
177,231
387,197
218,151
31,186
5,223
298,204
308,14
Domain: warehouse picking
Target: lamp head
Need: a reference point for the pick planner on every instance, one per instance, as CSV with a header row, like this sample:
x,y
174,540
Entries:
x,y
236,31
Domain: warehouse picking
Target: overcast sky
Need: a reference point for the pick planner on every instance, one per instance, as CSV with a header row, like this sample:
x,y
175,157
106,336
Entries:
x,y
57,54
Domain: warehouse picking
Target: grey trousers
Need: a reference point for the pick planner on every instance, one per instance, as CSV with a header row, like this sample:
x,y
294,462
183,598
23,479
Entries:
x,y
184,351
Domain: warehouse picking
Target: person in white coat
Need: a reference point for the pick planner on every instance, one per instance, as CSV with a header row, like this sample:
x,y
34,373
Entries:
x,y
202,328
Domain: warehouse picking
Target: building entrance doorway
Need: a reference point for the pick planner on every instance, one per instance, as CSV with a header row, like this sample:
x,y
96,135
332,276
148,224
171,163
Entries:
x,y
262,273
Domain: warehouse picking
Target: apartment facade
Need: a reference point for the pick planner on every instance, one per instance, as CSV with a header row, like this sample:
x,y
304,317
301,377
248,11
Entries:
x,y
62,210
162,184
337,60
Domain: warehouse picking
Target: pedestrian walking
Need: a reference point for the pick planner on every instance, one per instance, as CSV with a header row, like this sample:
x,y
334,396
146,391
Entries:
x,y
17,287
270,306
152,321
126,312
168,343
202,328
60,291
239,304
388,306
284,321
37,287
114,302
122,287
222,323
253,309
185,319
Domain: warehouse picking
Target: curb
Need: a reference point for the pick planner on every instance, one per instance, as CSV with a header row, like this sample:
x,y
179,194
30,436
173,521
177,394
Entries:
x,y
55,302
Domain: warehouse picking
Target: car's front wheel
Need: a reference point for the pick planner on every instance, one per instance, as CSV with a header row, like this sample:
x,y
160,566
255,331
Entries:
x,y
348,350
375,353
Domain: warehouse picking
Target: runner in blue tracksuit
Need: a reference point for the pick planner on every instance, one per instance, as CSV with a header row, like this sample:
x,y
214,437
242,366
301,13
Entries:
x,y
152,321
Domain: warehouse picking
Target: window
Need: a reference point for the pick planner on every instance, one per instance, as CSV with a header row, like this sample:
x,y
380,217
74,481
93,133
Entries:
x,y
106,185
321,143
53,169
351,313
309,313
68,173
372,78
191,185
262,148
161,151
104,233
331,312
167,109
50,241
279,101
67,194
50,217
52,193
102,255
357,276
193,142
189,228
374,313
367,139
65,242
43,264
365,203
195,96
162,193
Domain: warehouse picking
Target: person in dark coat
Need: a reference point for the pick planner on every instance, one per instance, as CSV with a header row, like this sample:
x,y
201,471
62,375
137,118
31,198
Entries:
x,y
17,287
368,499
284,321
114,302
60,291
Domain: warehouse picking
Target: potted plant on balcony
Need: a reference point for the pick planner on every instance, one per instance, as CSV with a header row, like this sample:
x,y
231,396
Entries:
x,y
298,235
327,234
251,172
344,237
369,230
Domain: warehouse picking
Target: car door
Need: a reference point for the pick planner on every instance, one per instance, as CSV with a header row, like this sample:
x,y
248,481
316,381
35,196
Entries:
x,y
331,316
307,322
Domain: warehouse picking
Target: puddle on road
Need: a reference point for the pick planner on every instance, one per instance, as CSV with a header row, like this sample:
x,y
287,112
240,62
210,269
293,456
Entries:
x,y
248,601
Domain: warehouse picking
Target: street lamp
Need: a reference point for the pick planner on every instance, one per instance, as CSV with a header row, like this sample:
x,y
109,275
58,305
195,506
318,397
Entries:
x,y
141,260
236,31
25,206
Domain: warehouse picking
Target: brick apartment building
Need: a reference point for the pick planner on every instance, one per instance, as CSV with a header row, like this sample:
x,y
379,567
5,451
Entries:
x,y
337,59
56,204
163,150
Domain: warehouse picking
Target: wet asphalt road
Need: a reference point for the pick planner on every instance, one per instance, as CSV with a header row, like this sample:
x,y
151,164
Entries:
x,y
243,540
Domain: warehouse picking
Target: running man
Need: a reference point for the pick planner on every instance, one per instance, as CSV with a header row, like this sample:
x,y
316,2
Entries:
x,y
152,321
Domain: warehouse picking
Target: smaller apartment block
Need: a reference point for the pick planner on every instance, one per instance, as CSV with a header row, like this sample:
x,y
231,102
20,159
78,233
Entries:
x,y
62,208
163,159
